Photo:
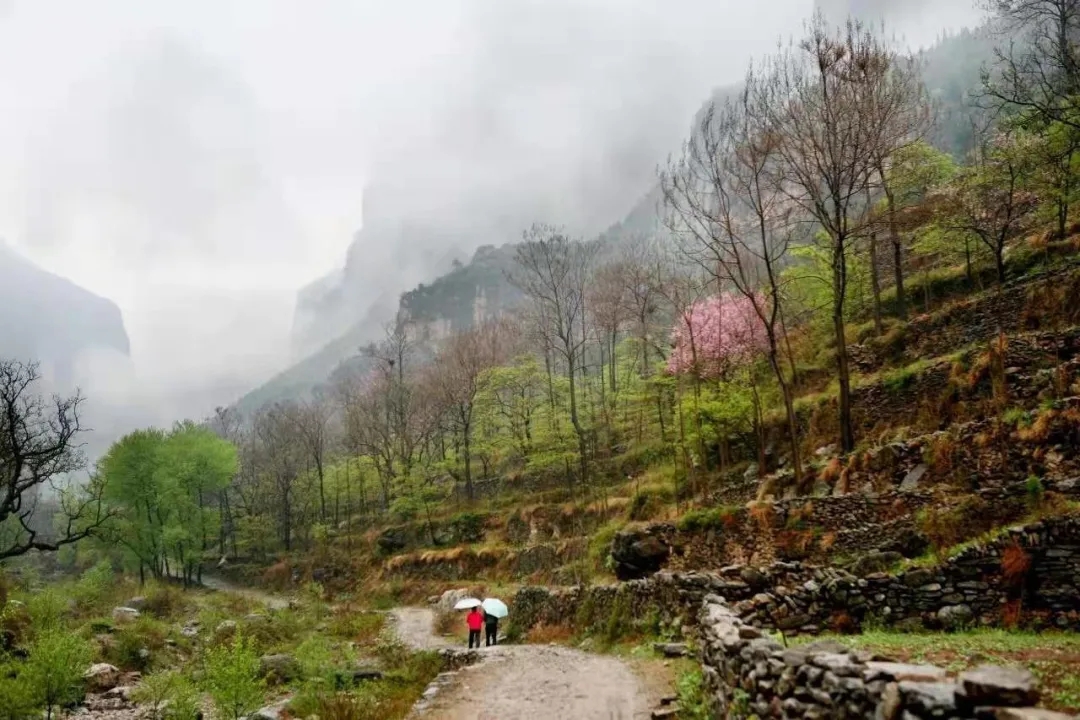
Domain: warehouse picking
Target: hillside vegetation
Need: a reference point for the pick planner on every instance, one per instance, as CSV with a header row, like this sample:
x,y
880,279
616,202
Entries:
x,y
854,344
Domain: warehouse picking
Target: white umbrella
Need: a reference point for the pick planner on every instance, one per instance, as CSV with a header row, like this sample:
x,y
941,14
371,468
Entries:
x,y
496,607
467,604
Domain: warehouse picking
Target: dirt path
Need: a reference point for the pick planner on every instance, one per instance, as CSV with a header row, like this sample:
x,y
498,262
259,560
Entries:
x,y
529,682
414,628
274,602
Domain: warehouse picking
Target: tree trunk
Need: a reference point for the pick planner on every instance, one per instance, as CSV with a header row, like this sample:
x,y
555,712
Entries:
x,y
322,490
999,261
847,438
466,448
575,420
898,255
875,282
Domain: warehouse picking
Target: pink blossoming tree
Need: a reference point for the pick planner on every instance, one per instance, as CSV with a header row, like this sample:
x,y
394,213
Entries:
x,y
713,334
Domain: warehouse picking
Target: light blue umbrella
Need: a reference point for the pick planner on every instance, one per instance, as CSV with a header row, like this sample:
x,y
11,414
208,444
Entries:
x,y
496,607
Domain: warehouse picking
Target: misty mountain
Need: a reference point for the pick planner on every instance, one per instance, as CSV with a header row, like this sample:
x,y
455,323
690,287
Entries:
x,y
347,309
46,318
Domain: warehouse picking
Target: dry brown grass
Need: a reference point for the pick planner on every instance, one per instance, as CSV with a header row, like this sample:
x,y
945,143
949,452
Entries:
x,y
1012,613
1015,564
278,574
942,455
764,514
827,541
831,472
1039,430
544,634
841,622
795,544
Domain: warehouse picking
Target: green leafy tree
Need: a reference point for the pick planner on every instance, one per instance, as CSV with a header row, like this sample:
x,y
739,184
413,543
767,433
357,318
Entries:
x,y
232,678
163,487
167,695
990,199
54,670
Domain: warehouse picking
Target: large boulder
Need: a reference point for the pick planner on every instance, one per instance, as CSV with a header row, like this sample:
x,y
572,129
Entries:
x,y
955,617
450,598
101,677
638,553
392,540
271,712
994,685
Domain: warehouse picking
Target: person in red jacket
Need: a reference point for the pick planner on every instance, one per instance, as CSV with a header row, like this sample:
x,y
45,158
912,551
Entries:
x,y
476,624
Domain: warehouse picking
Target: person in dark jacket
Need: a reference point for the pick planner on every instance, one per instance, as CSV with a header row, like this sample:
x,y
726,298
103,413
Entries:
x,y
491,626
476,622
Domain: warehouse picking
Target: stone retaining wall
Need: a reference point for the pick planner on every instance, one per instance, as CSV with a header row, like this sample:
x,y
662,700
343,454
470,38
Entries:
x,y
748,674
818,528
972,588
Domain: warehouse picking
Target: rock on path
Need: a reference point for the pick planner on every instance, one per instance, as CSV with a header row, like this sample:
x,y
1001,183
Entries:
x,y
528,682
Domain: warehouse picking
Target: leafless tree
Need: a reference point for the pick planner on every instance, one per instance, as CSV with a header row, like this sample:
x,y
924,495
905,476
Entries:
x,y
900,110
281,458
733,220
988,198
311,420
607,300
553,271
459,374
818,94
38,450
1037,68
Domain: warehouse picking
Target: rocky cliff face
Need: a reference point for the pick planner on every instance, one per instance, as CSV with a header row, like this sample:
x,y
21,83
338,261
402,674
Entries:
x,y
46,318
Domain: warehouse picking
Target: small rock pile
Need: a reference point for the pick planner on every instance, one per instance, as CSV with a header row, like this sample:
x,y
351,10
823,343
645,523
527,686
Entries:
x,y
746,673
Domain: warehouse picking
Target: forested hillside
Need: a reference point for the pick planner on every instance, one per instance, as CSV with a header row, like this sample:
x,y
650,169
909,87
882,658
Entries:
x,y
830,383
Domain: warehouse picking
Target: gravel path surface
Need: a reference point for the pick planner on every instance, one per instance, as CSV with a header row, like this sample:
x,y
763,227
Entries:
x,y
529,682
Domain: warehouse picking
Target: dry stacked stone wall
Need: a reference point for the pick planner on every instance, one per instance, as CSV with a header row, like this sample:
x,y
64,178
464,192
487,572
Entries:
x,y
1035,569
746,673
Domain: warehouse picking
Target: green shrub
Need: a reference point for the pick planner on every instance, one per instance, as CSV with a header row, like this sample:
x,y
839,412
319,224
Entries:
x,y
134,646
232,678
600,543
693,699
46,609
167,696
165,601
467,527
17,697
94,585
648,502
1035,490
1016,417
619,622
54,670
701,519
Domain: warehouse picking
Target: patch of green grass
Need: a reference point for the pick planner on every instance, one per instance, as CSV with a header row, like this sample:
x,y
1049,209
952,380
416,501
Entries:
x,y
701,519
600,543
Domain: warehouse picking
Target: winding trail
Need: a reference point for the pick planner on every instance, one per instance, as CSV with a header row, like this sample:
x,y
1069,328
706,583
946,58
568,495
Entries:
x,y
529,682
274,602
512,682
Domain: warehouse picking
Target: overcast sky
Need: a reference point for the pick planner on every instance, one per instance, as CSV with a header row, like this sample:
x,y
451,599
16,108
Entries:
x,y
199,161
